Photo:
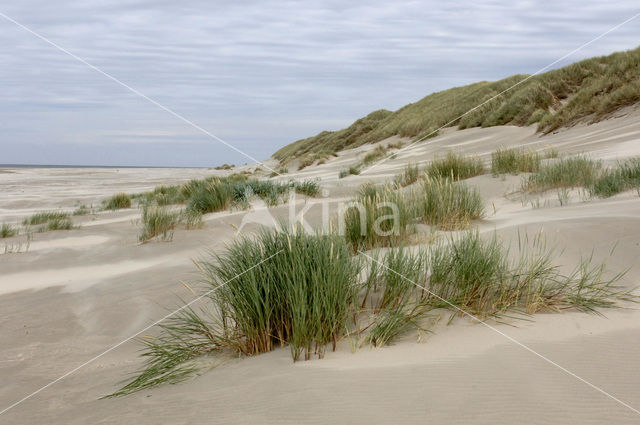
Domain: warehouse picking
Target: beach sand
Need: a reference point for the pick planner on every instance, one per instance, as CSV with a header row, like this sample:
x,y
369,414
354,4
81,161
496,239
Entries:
x,y
75,294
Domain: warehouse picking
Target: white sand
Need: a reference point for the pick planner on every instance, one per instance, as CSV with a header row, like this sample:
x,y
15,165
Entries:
x,y
79,292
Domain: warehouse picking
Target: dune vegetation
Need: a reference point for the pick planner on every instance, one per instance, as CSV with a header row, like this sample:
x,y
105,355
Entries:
x,y
514,161
379,216
351,171
361,283
49,220
578,171
7,231
582,172
202,196
308,292
214,193
455,166
82,210
586,90
409,175
624,176
384,216
158,222
117,202
446,204
44,216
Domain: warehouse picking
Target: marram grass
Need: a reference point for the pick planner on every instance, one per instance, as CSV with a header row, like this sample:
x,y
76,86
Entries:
x,y
300,295
514,161
583,172
447,205
455,166
570,172
45,216
590,89
7,231
118,201
305,291
624,176
379,216
409,175
157,223
383,216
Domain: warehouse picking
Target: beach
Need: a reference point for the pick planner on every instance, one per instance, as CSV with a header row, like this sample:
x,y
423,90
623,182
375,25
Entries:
x,y
68,296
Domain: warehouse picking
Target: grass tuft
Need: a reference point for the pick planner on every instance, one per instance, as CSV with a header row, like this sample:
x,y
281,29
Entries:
x,y
305,291
379,216
307,187
57,224
353,170
410,175
374,155
82,210
455,166
157,222
564,173
447,204
118,201
7,231
45,216
612,181
514,161
301,295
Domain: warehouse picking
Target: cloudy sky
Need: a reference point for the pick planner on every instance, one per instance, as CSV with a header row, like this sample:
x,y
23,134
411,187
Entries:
x,y
258,74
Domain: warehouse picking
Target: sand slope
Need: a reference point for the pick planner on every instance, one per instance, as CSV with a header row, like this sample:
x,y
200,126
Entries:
x,y
79,292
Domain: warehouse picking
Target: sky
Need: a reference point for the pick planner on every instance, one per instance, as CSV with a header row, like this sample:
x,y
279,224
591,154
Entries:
x,y
258,74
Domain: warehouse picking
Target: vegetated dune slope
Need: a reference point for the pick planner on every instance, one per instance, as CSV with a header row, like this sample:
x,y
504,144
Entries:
x,y
589,89
81,291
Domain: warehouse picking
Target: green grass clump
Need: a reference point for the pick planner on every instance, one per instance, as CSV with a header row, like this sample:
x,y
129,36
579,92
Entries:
x,y
306,291
166,195
57,224
478,277
307,187
455,166
382,216
210,196
565,173
312,157
374,155
7,231
280,171
191,219
514,161
50,220
281,288
157,222
390,324
410,175
118,201
224,166
82,210
45,216
219,193
353,170
379,216
612,181
447,204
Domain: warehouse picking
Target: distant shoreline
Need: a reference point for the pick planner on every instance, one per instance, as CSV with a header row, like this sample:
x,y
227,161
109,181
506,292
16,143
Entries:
x,y
89,166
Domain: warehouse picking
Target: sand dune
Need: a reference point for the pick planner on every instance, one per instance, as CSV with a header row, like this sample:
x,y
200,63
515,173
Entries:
x,y
76,293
